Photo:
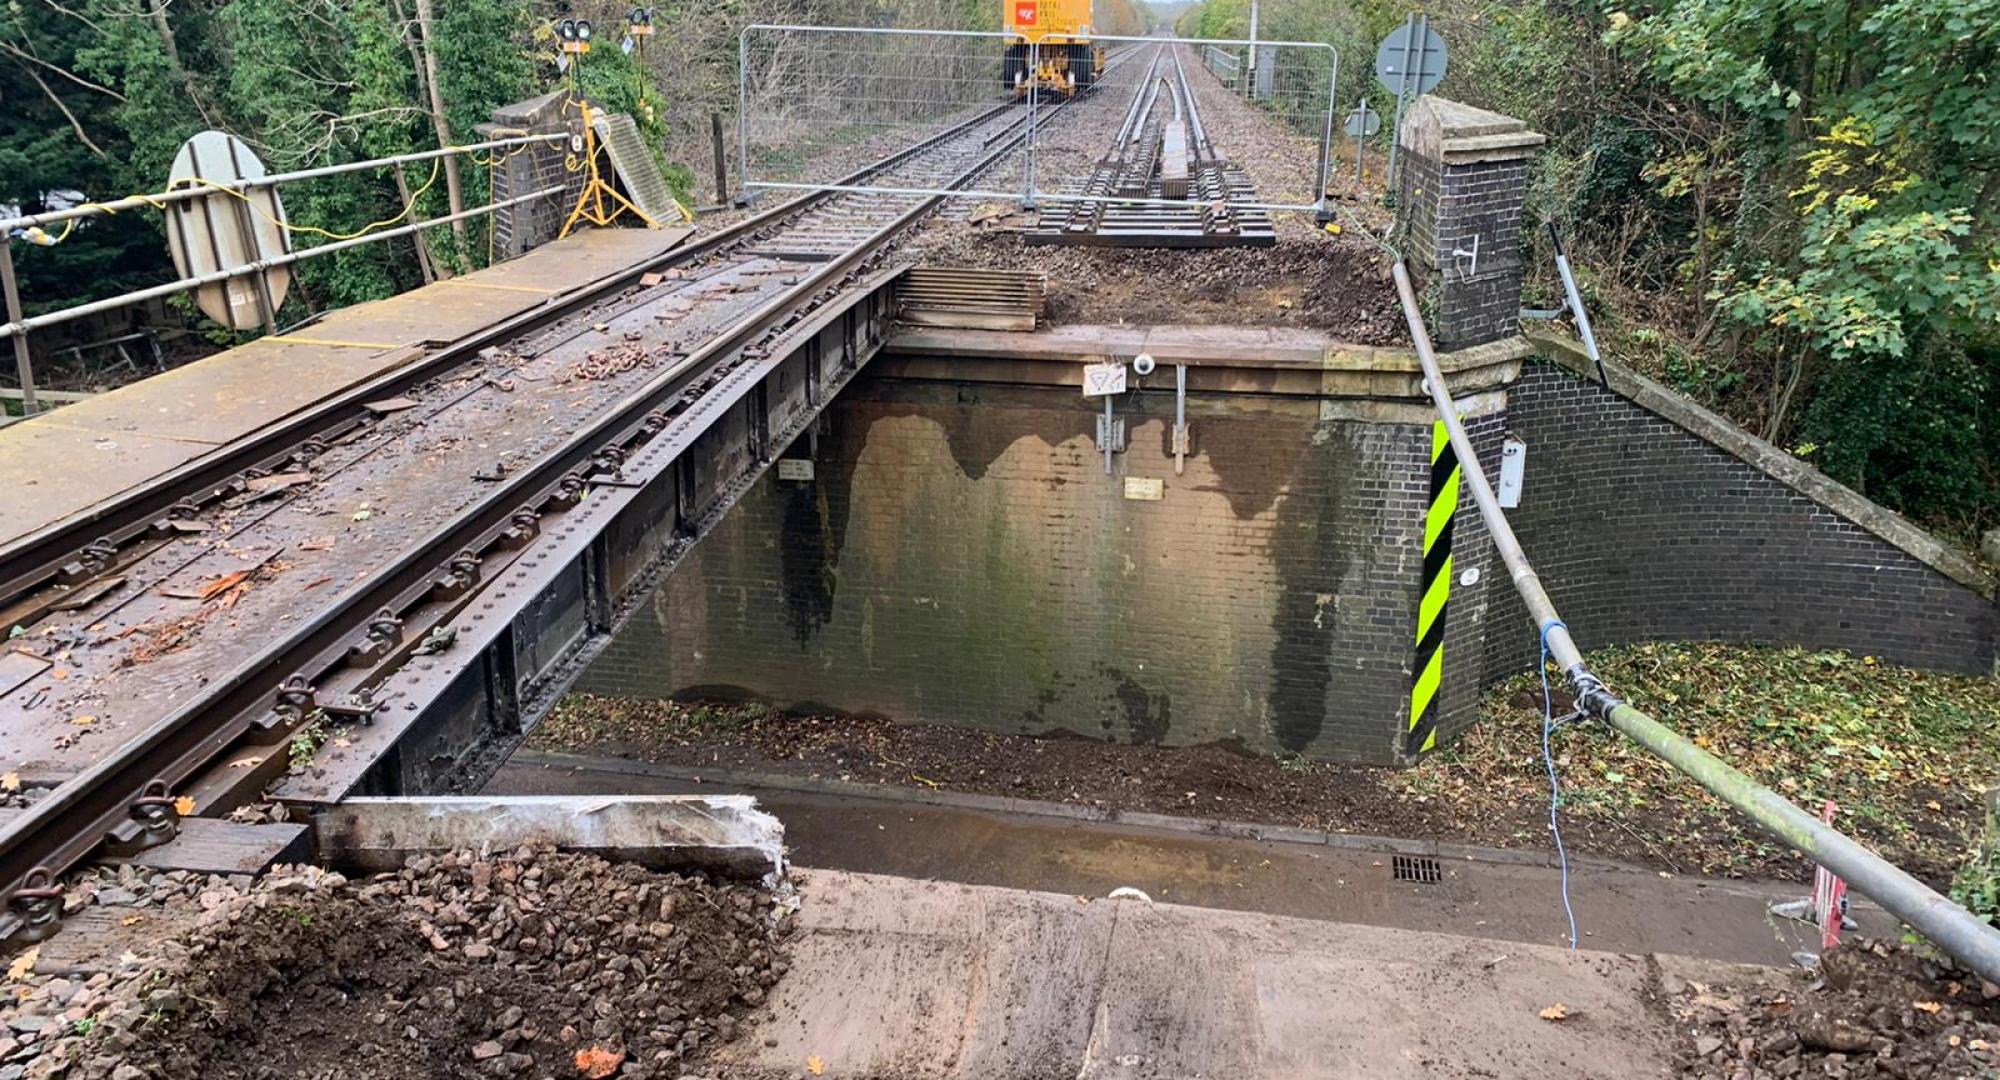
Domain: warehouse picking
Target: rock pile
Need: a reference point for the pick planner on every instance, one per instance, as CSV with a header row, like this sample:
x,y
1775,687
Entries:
x,y
527,964
1871,1009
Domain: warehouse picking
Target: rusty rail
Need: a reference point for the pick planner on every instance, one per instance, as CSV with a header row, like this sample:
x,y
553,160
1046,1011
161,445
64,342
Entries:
x,y
266,697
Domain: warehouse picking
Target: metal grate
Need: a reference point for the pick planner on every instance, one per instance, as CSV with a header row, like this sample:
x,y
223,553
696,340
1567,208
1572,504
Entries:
x,y
636,168
1418,869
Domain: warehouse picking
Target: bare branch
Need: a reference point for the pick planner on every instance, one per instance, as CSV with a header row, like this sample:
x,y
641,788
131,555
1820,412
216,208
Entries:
x,y
94,148
64,72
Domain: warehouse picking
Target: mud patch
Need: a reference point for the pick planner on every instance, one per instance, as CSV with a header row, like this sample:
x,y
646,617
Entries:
x,y
527,964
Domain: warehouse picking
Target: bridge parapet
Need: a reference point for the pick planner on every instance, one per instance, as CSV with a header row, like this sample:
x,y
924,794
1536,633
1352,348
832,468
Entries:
x,y
1463,189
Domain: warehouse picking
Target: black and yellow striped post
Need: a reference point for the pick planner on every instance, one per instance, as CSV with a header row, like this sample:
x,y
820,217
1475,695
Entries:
x,y
1427,672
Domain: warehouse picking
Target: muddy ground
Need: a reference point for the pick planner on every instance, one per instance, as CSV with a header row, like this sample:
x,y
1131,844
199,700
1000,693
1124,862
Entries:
x,y
1675,830
528,963
1872,1009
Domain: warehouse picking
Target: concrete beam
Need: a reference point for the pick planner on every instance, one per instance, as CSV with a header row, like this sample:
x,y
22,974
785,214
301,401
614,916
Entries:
x,y
720,834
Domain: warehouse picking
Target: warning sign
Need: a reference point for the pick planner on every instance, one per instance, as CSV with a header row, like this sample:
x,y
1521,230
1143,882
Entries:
x,y
1026,12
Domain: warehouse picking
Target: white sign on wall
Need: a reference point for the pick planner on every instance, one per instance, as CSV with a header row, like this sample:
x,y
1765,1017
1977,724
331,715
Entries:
x,y
1102,379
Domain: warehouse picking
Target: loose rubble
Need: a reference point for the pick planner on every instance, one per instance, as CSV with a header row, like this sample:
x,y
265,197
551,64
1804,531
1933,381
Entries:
x,y
531,964
1870,1009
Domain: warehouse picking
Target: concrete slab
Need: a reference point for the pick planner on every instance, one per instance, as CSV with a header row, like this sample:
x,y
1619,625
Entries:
x,y
67,460
1505,896
721,834
894,978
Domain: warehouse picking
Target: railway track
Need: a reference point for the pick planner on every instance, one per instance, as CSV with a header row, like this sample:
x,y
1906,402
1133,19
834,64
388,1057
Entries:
x,y
409,519
1161,183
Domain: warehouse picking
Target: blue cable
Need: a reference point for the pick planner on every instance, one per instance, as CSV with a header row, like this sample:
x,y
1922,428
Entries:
x,y
1555,787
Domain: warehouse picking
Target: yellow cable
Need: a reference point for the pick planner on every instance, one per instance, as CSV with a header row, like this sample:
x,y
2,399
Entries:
x,y
35,234
437,167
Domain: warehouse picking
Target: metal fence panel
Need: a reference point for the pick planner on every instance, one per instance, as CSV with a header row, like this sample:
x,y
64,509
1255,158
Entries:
x,y
816,102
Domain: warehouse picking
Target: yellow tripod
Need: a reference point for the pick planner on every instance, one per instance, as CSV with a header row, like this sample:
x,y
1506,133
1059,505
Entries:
x,y
600,204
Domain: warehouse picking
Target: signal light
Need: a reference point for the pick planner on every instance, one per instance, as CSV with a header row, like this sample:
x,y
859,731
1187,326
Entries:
x,y
640,22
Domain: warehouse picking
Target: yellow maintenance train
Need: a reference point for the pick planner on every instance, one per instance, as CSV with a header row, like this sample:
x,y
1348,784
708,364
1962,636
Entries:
x,y
1070,58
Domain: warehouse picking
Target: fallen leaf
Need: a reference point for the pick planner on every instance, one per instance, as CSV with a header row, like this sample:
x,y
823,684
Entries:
x,y
83,721
815,1066
317,543
59,674
246,763
130,920
10,782
1555,1012
184,806
362,515
597,1063
23,964
1927,1006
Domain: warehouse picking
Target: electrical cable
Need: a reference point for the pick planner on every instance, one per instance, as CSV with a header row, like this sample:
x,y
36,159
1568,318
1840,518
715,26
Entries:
x,y
1549,725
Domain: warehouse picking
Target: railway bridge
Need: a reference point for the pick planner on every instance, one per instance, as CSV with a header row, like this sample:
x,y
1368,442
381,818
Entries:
x,y
830,449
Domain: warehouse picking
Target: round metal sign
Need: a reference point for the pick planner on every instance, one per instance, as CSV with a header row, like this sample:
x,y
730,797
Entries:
x,y
1412,50
221,231
1363,122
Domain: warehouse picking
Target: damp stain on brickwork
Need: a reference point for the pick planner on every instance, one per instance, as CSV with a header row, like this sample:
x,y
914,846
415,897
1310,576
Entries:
x,y
1251,466
1309,550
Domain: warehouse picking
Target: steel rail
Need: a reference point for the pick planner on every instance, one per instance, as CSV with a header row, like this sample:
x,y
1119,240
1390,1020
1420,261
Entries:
x,y
36,559
1969,940
71,821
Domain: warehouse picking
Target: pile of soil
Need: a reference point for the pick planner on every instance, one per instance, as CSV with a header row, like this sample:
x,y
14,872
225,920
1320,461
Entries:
x,y
1217,781
532,963
1870,1009
1340,286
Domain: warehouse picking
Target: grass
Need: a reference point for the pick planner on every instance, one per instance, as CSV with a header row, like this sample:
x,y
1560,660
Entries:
x,y
1906,755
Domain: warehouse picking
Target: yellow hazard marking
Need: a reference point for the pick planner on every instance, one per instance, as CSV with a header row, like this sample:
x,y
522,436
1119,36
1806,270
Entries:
x,y
290,339
1428,668
461,282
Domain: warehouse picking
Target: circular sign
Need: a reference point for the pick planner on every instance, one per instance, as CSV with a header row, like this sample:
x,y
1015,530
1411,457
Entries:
x,y
1363,122
224,230
1411,55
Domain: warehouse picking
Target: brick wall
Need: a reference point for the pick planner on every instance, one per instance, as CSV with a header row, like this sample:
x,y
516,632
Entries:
x,y
961,556
1642,531
526,170
1463,184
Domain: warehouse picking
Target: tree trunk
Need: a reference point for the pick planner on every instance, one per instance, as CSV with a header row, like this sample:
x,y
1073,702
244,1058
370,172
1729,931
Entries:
x,y
452,185
157,10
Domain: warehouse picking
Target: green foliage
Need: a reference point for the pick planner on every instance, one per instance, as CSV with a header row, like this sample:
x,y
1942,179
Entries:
x,y
1906,754
1976,888
1788,208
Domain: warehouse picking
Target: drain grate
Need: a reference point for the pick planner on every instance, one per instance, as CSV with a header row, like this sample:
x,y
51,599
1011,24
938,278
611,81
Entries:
x,y
1418,869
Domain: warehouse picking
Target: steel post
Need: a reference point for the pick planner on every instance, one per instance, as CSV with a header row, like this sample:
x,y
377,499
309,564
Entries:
x,y
1402,91
721,159
24,365
1957,931
743,112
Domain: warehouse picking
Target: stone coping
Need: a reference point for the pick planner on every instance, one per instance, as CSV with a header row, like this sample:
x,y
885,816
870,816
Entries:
x,y
1881,522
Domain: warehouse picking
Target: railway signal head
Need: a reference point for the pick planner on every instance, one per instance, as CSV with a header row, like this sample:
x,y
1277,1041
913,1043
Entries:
x,y
639,23
574,35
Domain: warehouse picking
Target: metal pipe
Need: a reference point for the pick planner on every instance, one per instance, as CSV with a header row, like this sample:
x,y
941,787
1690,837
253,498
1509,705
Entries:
x,y
133,202
22,326
1957,931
